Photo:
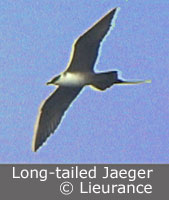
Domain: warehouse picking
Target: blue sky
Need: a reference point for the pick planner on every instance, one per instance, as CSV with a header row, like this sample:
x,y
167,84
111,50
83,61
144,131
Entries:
x,y
125,124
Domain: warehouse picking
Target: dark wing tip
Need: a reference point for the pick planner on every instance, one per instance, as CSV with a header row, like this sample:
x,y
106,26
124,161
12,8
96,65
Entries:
x,y
34,149
39,141
40,137
35,144
112,11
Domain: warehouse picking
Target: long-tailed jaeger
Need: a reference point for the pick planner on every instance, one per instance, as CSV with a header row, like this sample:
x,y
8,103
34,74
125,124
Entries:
x,y
79,73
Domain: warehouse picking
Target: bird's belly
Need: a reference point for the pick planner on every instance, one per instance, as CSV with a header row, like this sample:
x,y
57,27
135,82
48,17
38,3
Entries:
x,y
73,79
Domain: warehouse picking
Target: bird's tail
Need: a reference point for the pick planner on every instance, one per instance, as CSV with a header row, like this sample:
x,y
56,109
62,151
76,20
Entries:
x,y
132,82
102,81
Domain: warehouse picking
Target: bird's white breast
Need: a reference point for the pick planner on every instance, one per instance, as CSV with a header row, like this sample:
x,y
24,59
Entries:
x,y
72,79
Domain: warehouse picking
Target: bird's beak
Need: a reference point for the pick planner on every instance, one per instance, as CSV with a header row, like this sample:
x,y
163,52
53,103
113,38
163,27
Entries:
x,y
48,83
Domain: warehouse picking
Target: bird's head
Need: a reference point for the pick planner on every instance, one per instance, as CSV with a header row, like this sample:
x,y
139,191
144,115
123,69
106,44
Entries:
x,y
53,81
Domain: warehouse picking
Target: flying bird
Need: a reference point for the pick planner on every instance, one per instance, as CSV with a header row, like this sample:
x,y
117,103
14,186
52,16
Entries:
x,y
79,73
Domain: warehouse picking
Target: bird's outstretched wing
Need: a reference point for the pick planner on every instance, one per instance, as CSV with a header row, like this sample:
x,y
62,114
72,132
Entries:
x,y
51,112
85,48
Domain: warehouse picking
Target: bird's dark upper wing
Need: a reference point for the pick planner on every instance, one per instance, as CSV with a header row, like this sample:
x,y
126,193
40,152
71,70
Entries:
x,y
86,47
51,112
